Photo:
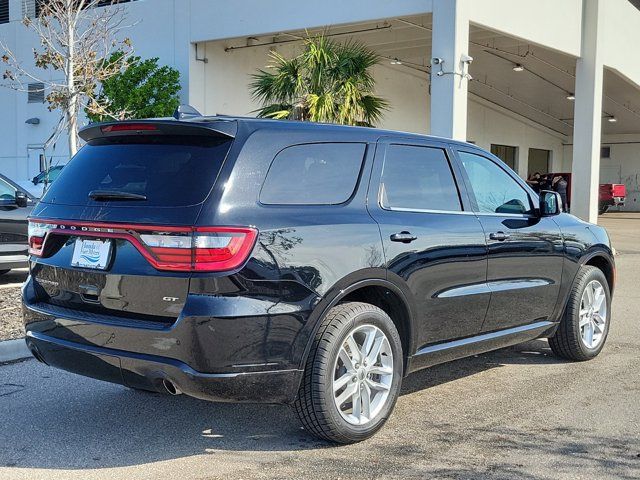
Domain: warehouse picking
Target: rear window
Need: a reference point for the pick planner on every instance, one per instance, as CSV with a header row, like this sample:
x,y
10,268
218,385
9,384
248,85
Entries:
x,y
167,170
313,174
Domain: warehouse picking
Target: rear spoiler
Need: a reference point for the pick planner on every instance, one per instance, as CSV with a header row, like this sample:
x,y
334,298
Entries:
x,y
196,126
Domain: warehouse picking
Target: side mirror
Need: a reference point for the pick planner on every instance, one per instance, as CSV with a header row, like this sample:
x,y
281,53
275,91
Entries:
x,y
550,203
21,199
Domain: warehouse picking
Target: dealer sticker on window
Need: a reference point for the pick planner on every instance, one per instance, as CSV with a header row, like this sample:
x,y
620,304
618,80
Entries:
x,y
91,253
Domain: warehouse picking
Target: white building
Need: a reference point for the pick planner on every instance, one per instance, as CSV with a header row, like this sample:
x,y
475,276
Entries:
x,y
550,83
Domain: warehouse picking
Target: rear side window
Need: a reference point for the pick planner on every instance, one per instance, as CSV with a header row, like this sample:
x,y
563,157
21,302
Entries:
x,y
418,178
167,170
313,174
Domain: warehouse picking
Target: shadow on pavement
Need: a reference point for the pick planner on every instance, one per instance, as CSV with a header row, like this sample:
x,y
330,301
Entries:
x,y
57,420
14,277
533,352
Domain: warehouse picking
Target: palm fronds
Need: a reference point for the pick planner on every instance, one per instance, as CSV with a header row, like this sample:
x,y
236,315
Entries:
x,y
327,82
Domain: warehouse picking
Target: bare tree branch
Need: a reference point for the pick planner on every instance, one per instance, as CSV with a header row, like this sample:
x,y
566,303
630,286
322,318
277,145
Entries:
x,y
77,41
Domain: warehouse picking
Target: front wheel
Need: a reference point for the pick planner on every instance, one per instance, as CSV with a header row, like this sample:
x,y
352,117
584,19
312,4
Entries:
x,y
353,374
584,326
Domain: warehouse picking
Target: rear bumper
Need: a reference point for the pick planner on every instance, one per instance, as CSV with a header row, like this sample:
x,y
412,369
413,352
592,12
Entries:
x,y
148,372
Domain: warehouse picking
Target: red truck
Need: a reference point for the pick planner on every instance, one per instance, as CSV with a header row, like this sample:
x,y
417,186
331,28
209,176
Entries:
x,y
610,194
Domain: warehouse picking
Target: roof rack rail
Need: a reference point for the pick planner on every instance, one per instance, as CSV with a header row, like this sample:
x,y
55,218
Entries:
x,y
185,111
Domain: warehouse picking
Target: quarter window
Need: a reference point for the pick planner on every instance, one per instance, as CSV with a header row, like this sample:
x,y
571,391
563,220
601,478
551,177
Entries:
x,y
313,174
494,189
418,178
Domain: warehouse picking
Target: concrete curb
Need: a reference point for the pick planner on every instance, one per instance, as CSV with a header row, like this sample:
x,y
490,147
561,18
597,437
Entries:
x,y
11,350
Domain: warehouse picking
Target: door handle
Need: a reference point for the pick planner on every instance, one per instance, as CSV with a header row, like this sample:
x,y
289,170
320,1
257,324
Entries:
x,y
500,236
404,237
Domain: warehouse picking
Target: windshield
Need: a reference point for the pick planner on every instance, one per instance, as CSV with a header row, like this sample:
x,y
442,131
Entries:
x,y
54,172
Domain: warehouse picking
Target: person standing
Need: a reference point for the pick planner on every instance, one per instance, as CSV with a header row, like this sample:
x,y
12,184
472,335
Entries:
x,y
534,182
559,185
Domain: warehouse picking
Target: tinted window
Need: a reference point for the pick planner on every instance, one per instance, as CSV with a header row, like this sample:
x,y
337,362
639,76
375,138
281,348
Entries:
x,y
169,171
418,178
7,192
494,189
313,174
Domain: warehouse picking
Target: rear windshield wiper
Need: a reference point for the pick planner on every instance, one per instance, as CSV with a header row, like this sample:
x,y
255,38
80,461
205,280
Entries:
x,y
115,195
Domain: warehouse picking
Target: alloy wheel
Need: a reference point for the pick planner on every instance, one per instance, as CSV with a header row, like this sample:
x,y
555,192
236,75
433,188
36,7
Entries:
x,y
593,314
362,374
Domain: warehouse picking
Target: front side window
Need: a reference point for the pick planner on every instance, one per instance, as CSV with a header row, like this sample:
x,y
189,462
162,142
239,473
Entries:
x,y
313,174
494,189
418,178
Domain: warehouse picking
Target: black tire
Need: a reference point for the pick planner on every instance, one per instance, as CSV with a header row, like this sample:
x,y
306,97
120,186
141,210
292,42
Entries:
x,y
315,404
2,272
567,341
602,209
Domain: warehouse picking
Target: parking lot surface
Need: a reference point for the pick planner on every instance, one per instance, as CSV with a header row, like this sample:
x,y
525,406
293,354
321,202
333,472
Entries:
x,y
515,413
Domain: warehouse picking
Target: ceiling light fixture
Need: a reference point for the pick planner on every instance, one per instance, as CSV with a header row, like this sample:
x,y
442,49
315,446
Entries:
x,y
518,68
571,97
612,119
396,61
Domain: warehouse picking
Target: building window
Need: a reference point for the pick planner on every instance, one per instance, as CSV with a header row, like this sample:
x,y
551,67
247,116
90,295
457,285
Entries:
x,y
605,152
4,11
32,8
35,93
539,161
505,153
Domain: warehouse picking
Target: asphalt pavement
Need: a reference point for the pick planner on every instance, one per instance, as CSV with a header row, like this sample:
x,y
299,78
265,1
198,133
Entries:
x,y
514,413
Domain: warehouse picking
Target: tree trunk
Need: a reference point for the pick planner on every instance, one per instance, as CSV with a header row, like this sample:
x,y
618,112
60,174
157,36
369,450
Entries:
x,y
72,122
72,104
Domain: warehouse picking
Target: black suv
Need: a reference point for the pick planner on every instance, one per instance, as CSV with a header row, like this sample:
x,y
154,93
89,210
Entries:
x,y
315,265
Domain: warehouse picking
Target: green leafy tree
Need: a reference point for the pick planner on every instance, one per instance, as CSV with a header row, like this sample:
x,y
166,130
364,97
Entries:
x,y
142,90
328,82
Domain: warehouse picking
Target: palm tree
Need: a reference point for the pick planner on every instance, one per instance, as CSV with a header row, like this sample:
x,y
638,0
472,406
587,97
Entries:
x,y
328,82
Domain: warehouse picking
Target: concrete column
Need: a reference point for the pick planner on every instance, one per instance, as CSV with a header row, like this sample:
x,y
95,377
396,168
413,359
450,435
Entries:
x,y
522,162
588,117
450,40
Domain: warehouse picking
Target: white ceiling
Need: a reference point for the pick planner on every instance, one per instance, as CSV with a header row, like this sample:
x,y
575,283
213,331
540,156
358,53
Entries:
x,y
537,93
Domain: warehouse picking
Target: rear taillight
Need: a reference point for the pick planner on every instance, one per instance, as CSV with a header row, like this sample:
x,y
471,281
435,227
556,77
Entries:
x,y
205,249
201,249
37,233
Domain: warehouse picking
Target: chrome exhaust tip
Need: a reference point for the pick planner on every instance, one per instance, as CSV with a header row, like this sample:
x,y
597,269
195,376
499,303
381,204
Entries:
x,y
170,388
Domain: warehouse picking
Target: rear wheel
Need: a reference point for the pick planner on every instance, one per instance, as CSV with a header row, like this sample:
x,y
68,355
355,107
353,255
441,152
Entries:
x,y
584,326
353,374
